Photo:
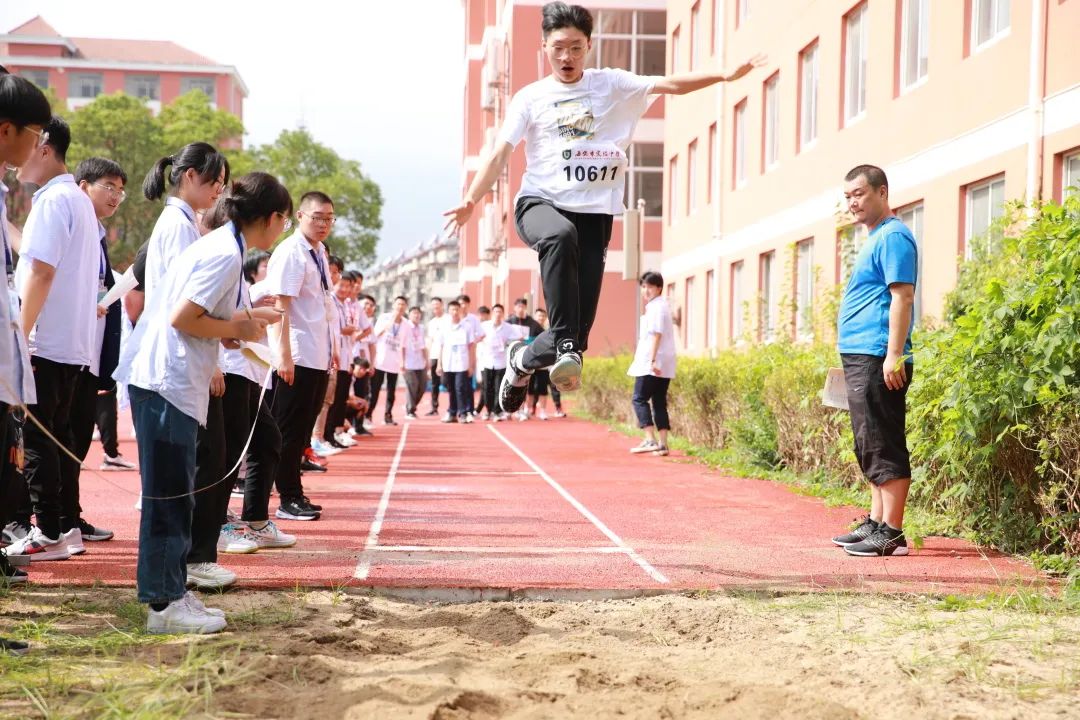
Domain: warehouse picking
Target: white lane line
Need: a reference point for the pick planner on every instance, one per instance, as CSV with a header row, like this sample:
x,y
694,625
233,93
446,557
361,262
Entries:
x,y
414,471
363,565
630,552
489,550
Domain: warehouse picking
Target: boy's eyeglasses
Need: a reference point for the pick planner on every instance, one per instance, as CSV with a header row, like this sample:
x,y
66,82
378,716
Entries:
x,y
43,136
113,192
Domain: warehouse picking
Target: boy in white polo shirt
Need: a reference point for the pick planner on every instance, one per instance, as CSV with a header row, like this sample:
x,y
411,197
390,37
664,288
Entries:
x,y
456,362
389,346
492,357
59,283
416,362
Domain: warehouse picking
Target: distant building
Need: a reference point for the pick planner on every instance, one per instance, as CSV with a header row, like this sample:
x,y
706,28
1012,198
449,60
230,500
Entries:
x,y
80,69
428,270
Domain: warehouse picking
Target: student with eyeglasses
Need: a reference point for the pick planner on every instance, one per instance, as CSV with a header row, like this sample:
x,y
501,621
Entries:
x,y
577,124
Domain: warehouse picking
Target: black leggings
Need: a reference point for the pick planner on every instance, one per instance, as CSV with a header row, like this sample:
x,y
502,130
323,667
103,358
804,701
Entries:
x,y
572,248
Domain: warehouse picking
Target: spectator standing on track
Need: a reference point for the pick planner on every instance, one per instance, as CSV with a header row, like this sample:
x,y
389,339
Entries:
x,y
478,334
482,408
874,337
539,382
431,337
491,356
653,366
389,336
456,361
416,362
577,124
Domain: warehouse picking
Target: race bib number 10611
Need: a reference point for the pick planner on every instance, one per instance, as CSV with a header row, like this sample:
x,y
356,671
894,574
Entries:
x,y
593,166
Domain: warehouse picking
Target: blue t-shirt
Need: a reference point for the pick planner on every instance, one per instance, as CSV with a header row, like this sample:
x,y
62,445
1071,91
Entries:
x,y
889,256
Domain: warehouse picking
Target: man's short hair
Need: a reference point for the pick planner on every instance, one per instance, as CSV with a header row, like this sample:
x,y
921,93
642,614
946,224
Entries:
x,y
653,278
416,308
522,301
484,310
22,103
453,303
875,176
59,136
314,196
93,169
402,298
371,298
349,275
359,275
498,305
337,262
558,15
540,310
463,298
435,299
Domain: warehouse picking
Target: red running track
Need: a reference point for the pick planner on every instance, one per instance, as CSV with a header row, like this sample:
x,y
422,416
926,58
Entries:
x,y
556,505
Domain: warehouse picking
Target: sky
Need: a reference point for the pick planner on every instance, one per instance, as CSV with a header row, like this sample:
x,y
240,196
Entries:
x,y
380,81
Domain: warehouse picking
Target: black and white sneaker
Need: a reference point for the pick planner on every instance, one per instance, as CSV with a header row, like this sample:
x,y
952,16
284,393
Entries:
x,y
515,382
565,374
9,574
295,510
94,534
883,542
863,530
14,532
310,505
309,466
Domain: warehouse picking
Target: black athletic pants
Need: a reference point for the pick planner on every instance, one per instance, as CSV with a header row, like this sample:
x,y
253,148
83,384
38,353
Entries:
x,y
211,489
391,391
107,421
56,386
296,408
242,409
572,248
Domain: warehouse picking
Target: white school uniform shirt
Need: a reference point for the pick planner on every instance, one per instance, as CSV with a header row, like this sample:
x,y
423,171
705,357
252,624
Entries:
x,y
62,230
389,342
99,330
655,321
302,272
365,348
431,334
233,360
175,365
14,352
415,344
477,326
576,136
343,344
491,352
176,229
454,341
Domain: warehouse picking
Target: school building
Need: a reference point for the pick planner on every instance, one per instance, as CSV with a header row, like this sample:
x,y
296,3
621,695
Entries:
x,y
80,69
966,104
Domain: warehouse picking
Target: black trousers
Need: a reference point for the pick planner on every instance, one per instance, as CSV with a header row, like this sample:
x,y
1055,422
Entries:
x,y
492,380
211,490
107,421
242,410
459,389
414,386
436,381
651,389
56,386
295,409
376,387
481,394
12,485
82,415
335,416
572,248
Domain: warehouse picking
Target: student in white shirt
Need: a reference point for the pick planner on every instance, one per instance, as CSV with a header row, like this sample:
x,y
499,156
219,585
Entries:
x,y
456,362
491,356
478,334
389,337
416,362
324,435
299,275
58,278
481,408
653,366
167,367
24,113
431,335
577,124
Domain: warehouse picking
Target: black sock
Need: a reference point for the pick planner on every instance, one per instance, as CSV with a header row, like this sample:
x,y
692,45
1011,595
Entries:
x,y
892,531
158,606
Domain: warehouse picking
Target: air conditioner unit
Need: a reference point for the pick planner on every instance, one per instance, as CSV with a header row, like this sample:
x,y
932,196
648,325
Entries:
x,y
489,93
495,58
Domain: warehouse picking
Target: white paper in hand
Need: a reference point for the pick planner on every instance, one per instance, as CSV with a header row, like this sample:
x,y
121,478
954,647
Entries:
x,y
259,354
123,286
835,393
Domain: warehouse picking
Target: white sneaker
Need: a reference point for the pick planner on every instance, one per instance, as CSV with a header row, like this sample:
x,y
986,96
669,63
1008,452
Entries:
x,y
559,414
110,463
197,604
368,425
96,435
138,504
181,616
351,432
270,536
209,576
543,414
646,446
231,516
322,449
468,419
345,440
74,541
234,538
38,547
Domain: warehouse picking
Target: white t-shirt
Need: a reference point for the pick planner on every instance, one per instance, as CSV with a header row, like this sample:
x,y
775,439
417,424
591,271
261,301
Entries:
x,y
362,348
414,346
454,341
491,352
173,364
302,272
431,333
234,362
345,316
655,321
63,231
174,231
576,136
14,353
389,341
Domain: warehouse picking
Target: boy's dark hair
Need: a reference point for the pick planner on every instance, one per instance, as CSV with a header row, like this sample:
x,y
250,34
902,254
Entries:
x,y
59,136
653,278
498,305
539,310
337,262
93,169
361,363
416,308
252,260
402,298
875,176
315,196
202,157
483,310
453,303
349,275
22,103
522,301
463,298
371,298
558,15
359,275
435,299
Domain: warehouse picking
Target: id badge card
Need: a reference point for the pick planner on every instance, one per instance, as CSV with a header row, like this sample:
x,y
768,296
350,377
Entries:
x,y
101,290
592,166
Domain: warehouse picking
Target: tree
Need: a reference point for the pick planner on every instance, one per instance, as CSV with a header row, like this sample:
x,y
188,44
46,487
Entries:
x,y
303,164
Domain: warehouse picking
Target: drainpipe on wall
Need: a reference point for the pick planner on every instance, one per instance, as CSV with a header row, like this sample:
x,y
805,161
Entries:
x,y
1036,93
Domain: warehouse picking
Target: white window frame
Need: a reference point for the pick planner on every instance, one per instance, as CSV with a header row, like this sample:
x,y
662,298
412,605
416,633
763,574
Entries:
x,y
771,131
187,84
809,80
738,299
912,216
914,42
743,9
689,316
1070,175
38,76
695,36
996,211
636,36
691,177
855,65
1001,22
767,297
804,289
77,80
740,144
714,180
710,308
675,48
633,176
131,83
673,189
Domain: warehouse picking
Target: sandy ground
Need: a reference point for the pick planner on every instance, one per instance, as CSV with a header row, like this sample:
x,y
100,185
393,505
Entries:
x,y
324,654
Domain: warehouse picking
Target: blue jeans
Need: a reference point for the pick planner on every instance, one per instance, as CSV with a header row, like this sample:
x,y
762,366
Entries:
x,y
167,466
458,386
649,388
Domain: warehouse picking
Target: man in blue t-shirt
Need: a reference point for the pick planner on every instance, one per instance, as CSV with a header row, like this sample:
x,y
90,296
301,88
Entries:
x,y
874,328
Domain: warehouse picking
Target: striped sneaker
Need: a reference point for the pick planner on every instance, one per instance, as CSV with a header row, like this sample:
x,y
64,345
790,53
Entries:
x,y
39,547
515,382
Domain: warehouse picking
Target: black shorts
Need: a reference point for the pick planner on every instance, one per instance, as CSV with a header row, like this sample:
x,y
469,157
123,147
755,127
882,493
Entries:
x,y
877,419
538,383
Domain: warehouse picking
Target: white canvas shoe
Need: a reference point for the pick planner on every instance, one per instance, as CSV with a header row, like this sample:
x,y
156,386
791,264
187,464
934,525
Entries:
x,y
181,616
